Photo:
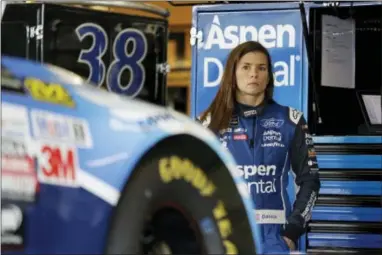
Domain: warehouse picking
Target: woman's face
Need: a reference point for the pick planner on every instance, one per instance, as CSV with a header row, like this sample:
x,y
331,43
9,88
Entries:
x,y
252,74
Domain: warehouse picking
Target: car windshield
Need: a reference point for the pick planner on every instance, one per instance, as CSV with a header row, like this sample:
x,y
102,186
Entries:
x,y
63,75
66,76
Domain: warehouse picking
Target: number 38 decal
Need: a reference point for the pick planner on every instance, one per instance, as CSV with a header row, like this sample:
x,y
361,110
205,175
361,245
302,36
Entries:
x,y
123,60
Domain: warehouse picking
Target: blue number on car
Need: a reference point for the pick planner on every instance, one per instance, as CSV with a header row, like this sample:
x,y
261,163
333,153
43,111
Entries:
x,y
123,60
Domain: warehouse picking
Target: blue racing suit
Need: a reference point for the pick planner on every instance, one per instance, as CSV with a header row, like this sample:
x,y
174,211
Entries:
x,y
266,142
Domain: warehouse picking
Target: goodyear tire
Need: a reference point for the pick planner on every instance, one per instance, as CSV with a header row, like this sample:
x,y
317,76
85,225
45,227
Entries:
x,y
180,200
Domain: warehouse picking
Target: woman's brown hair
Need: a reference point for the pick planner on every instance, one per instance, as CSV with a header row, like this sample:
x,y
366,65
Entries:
x,y
222,107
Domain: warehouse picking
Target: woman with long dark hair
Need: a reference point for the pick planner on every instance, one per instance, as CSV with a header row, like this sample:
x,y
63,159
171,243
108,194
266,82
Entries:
x,y
267,140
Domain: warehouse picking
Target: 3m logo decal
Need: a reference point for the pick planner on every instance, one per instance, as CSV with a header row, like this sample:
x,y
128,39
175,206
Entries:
x,y
57,165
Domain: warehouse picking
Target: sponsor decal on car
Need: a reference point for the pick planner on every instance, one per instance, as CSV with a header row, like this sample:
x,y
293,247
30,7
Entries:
x,y
12,227
62,128
155,120
18,178
14,120
57,165
142,121
49,92
13,147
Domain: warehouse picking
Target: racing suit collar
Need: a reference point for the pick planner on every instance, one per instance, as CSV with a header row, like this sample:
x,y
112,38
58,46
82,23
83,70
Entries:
x,y
248,111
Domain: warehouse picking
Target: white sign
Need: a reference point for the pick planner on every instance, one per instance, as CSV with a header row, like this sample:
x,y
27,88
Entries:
x,y
338,52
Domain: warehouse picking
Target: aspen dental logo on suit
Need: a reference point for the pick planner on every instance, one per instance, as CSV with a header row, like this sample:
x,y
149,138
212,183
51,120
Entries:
x,y
263,180
248,172
280,32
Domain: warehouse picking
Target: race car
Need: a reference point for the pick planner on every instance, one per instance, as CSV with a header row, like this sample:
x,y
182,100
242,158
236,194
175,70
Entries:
x,y
89,171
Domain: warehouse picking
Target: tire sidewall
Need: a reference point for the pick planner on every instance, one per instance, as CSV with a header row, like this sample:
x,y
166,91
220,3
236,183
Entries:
x,y
148,189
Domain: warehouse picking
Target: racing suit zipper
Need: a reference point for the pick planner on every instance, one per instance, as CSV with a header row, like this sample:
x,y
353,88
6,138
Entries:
x,y
252,141
252,146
